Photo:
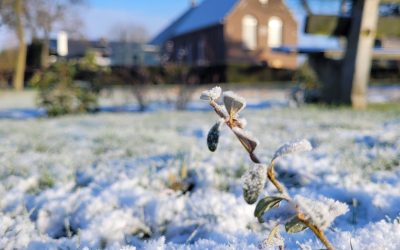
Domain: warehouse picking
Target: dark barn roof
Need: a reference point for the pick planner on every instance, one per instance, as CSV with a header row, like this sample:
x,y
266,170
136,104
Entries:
x,y
206,14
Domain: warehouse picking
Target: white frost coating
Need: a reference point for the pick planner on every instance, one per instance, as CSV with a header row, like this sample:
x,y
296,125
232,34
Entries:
x,y
212,94
293,147
128,248
158,244
321,212
242,122
233,103
253,182
276,241
127,178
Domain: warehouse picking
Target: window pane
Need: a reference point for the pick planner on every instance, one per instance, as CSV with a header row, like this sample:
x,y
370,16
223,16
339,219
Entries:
x,y
275,27
249,32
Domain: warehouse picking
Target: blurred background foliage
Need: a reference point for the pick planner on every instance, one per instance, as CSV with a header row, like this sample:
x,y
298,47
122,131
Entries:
x,y
67,87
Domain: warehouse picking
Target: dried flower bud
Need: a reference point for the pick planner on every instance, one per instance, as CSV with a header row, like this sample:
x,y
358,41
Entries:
x,y
213,136
292,147
212,94
247,140
233,103
253,182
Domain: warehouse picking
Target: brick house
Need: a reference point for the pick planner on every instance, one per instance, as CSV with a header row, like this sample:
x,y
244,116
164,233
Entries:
x,y
231,32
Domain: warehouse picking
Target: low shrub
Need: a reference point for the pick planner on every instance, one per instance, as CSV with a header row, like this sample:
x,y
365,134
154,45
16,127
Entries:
x,y
60,90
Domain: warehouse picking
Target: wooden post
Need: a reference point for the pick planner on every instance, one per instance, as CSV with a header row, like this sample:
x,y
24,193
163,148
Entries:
x,y
357,61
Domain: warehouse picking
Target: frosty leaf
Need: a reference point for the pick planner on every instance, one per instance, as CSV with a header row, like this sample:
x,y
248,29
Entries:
x,y
233,103
213,137
247,140
295,225
253,183
321,212
264,205
212,94
292,147
274,240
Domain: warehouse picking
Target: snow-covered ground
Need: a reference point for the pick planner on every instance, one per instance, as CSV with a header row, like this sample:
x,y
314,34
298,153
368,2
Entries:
x,y
112,180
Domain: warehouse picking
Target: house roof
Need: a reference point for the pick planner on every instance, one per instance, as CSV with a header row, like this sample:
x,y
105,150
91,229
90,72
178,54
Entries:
x,y
206,14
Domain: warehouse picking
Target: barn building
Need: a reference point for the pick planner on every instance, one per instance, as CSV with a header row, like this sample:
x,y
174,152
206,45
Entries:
x,y
231,32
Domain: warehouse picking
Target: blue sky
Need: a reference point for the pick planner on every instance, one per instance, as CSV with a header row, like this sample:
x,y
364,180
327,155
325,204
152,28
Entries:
x,y
102,15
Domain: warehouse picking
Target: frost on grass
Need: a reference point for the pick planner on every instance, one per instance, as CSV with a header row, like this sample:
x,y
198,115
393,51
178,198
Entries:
x,y
212,94
273,241
128,180
16,232
293,147
253,182
321,212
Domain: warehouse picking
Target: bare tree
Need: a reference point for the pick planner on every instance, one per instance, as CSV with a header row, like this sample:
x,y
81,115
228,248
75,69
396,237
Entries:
x,y
137,76
11,14
18,80
39,16
129,32
44,15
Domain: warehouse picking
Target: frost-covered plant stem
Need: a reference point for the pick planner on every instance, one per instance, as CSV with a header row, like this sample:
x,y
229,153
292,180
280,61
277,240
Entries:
x,y
274,180
231,123
318,232
218,109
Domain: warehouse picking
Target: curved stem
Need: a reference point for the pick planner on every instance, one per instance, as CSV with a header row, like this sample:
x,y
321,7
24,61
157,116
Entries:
x,y
272,178
318,232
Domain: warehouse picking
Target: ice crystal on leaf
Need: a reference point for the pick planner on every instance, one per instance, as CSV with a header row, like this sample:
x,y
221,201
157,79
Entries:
x,y
292,147
321,212
212,94
253,182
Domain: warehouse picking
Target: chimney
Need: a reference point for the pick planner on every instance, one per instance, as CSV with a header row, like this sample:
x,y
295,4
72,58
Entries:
x,y
62,43
194,3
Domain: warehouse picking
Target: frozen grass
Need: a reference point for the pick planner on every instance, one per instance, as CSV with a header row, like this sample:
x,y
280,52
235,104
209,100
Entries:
x,y
103,181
